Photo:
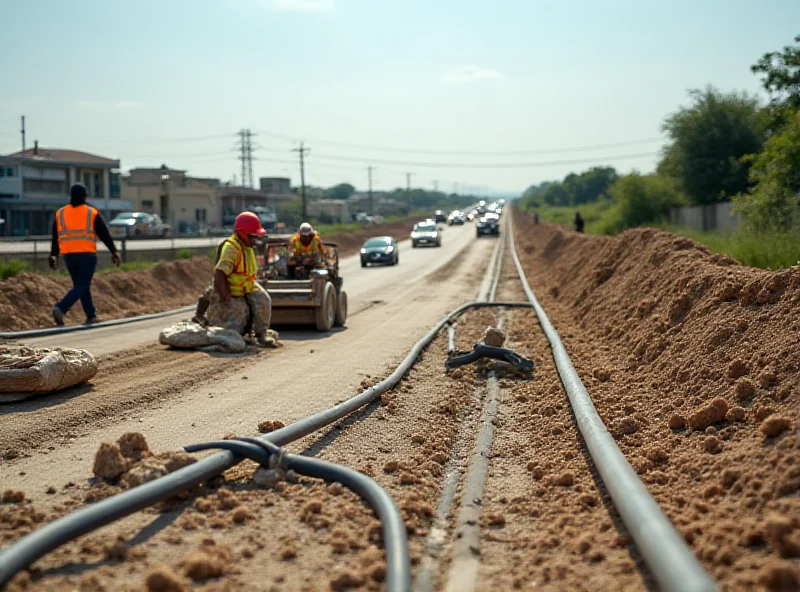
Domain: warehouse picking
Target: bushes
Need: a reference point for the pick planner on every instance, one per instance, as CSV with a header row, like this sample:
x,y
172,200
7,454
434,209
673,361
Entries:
x,y
639,200
12,267
184,254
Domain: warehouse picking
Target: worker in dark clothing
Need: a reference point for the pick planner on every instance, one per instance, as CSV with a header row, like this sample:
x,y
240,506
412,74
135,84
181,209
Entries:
x,y
578,222
76,229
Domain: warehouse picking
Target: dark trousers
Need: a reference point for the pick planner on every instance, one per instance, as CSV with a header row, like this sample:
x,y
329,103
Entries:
x,y
81,268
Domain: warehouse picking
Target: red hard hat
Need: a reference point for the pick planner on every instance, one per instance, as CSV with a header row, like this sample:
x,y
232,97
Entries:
x,y
248,223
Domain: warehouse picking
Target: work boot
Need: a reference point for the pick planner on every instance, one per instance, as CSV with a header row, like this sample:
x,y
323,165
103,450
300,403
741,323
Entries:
x,y
91,321
58,316
268,339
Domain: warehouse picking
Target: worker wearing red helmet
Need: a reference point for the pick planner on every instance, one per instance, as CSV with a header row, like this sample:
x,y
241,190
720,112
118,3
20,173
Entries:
x,y
235,275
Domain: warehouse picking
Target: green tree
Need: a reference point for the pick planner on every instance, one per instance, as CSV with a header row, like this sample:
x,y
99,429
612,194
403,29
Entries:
x,y
773,202
556,195
641,199
708,139
341,191
780,75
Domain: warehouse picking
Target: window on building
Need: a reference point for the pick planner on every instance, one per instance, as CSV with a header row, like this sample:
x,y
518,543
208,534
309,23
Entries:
x,y
11,172
87,182
147,205
98,190
201,215
2,172
44,186
114,185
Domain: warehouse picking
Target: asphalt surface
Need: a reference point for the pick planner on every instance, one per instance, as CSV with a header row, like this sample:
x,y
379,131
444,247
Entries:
x,y
176,398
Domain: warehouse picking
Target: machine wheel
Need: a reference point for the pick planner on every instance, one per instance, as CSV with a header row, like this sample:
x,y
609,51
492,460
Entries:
x,y
363,263
413,245
326,313
341,310
396,259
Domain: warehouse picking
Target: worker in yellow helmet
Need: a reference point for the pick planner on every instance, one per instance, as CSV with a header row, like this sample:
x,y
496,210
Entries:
x,y
76,228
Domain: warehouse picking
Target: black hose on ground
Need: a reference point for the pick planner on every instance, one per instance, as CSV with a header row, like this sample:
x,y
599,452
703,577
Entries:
x,y
395,540
31,547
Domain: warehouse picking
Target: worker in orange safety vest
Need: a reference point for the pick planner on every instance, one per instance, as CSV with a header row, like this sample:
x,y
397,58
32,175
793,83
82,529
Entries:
x,y
76,228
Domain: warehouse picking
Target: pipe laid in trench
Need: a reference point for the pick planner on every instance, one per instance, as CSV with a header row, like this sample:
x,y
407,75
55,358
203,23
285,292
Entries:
x,y
666,554
31,547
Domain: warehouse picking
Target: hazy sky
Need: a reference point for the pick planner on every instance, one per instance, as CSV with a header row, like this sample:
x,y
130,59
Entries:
x,y
171,81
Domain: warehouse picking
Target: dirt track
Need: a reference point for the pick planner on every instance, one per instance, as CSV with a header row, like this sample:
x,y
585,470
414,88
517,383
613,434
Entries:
x,y
657,328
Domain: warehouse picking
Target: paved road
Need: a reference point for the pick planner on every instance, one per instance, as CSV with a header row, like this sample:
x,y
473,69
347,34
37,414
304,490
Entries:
x,y
179,397
43,246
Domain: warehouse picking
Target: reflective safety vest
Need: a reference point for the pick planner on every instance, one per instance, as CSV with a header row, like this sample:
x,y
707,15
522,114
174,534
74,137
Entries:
x,y
75,226
242,280
314,248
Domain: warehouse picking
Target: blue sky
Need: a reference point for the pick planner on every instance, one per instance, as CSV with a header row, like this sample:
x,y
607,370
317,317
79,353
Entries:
x,y
154,82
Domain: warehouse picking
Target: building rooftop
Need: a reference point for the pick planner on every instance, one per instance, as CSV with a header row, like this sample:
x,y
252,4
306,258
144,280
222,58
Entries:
x,y
62,156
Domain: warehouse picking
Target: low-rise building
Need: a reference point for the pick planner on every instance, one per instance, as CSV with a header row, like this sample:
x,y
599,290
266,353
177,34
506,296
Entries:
x,y
188,204
381,205
327,211
35,183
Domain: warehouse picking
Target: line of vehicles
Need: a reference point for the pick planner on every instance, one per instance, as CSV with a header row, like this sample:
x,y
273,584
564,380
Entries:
x,y
383,250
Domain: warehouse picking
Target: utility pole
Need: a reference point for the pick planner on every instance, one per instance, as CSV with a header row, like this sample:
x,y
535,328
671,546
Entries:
x,y
302,151
436,186
22,131
408,192
369,172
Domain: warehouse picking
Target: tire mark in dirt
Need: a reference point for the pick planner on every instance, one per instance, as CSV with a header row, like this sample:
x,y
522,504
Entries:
x,y
135,379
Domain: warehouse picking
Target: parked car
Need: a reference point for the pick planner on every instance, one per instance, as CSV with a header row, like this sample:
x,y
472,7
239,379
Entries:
x,y
455,217
426,233
137,224
380,249
439,216
487,224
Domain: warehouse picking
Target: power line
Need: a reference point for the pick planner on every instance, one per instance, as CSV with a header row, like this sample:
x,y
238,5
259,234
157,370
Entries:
x,y
585,148
473,165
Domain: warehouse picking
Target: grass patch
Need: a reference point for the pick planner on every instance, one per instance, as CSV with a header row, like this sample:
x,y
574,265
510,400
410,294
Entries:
x,y
130,266
185,254
775,250
595,215
12,267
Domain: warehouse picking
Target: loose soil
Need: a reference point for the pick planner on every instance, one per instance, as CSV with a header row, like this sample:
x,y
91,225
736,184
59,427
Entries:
x,y
692,361
26,300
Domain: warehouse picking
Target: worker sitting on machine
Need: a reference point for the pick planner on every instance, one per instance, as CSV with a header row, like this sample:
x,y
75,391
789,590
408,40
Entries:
x,y
240,302
305,250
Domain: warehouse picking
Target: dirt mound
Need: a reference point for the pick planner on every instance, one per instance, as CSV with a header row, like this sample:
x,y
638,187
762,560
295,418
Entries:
x,y
693,361
26,301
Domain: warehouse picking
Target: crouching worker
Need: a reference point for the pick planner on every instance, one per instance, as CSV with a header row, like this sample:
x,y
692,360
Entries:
x,y
236,297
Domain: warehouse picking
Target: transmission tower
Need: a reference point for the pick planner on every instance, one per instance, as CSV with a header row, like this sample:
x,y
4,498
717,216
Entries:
x,y
245,145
